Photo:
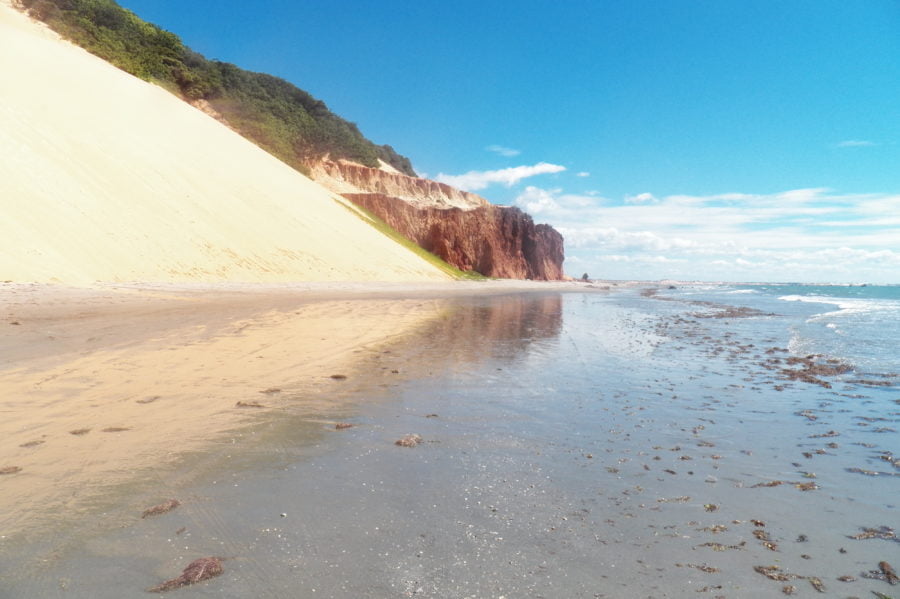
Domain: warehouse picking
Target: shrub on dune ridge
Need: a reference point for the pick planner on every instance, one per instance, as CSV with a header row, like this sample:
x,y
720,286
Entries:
x,y
273,113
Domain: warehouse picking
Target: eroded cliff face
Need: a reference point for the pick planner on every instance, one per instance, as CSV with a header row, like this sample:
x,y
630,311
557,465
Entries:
x,y
462,228
345,177
496,241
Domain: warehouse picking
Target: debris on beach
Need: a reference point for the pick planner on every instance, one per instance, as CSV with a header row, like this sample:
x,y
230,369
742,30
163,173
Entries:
x,y
249,404
714,529
10,469
847,578
162,508
150,399
339,377
890,574
817,584
31,443
409,440
887,456
773,483
197,571
682,499
882,532
810,486
710,507
775,573
115,429
80,431
870,472
271,390
701,567
342,425
789,589
825,435
721,547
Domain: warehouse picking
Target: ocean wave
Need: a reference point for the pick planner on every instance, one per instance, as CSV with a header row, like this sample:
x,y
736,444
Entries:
x,y
847,305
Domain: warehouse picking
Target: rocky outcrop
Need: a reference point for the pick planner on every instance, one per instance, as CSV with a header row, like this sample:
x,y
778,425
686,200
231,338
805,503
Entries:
x,y
496,241
345,177
462,228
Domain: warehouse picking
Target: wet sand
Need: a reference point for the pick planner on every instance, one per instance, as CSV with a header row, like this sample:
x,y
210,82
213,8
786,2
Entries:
x,y
577,445
100,384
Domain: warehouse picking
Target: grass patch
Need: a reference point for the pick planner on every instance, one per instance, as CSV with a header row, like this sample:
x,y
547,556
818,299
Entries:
x,y
411,245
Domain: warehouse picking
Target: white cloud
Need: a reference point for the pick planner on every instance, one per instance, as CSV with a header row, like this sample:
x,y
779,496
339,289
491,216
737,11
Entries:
x,y
503,151
536,201
813,234
553,204
583,174
641,198
855,143
475,180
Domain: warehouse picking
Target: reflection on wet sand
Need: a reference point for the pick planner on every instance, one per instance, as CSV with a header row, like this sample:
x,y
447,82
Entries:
x,y
102,438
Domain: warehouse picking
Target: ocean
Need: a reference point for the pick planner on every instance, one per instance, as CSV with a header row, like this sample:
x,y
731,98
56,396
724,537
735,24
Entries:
x,y
701,441
857,323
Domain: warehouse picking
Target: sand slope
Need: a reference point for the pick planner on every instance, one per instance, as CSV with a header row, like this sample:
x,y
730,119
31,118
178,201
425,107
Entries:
x,y
105,177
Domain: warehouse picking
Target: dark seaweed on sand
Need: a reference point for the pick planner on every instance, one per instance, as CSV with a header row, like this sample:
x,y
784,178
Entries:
x,y
197,571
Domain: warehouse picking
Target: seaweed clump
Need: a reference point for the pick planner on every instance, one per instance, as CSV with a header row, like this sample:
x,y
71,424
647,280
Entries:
x,y
197,571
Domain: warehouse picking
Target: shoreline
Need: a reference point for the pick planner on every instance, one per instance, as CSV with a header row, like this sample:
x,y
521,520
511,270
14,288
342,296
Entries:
x,y
594,444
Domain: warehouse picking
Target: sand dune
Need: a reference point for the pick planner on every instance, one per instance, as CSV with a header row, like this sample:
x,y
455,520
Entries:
x,y
106,177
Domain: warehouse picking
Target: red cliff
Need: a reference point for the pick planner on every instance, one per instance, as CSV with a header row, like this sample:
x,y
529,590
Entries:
x,y
461,228
496,241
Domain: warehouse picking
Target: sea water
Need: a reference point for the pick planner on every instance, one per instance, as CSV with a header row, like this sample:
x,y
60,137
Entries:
x,y
633,443
859,323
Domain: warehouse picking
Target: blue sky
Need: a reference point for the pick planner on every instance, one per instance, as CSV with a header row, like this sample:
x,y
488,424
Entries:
x,y
716,140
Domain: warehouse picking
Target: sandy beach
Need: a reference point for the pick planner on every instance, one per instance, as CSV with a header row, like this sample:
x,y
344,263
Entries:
x,y
98,384
572,442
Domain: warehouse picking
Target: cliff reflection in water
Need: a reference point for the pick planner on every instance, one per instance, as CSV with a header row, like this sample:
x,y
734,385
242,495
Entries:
x,y
500,328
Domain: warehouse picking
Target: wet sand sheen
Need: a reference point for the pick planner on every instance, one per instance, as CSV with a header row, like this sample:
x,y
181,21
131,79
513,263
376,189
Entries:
x,y
91,401
567,445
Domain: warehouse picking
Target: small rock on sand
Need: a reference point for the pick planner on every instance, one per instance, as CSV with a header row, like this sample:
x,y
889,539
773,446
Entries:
x,y
162,508
197,571
409,440
10,469
249,404
339,377
342,425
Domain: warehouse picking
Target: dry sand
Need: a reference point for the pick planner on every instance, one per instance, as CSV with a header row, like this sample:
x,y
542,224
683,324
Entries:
x,y
106,177
97,384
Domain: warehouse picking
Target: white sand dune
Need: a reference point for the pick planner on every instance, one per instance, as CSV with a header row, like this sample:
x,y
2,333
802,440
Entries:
x,y
104,177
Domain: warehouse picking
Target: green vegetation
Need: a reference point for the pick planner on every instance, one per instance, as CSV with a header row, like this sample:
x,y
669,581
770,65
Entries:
x,y
273,113
392,233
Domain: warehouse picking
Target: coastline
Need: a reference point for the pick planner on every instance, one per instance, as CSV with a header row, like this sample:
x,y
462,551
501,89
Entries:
x,y
592,444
